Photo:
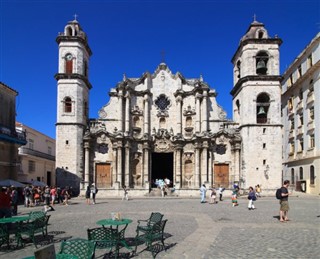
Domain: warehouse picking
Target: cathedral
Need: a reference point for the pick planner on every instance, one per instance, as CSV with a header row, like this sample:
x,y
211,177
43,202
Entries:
x,y
165,125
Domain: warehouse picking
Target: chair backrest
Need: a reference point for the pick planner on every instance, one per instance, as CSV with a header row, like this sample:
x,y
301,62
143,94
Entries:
x,y
82,248
155,217
159,227
36,214
104,237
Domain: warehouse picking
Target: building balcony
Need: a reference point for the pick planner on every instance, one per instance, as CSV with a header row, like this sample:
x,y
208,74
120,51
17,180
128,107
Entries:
x,y
31,152
299,106
13,135
310,125
310,98
291,134
300,130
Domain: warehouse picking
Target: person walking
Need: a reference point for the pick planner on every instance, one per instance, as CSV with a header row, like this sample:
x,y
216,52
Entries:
x,y
251,197
221,189
203,191
284,203
46,199
53,194
94,191
125,193
14,201
258,191
88,192
213,194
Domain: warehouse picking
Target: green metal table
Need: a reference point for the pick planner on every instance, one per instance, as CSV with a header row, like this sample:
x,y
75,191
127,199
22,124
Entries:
x,y
121,234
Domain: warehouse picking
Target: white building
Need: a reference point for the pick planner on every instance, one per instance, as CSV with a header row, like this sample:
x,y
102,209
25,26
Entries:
x,y
167,125
301,119
37,157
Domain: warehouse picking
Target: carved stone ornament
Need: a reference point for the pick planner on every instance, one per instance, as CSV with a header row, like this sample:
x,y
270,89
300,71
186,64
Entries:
x,y
189,111
102,114
222,115
162,145
188,156
136,110
102,139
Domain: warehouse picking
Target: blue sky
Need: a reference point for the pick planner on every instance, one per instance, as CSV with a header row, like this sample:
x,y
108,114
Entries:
x,y
197,36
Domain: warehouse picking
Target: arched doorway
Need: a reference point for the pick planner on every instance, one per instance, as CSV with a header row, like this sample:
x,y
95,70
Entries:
x,y
161,167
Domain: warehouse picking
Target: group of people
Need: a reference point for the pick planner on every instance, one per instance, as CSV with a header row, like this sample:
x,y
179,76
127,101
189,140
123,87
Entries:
x,y
163,185
35,196
91,191
8,202
253,194
213,194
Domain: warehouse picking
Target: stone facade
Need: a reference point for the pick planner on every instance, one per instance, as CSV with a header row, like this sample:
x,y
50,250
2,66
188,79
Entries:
x,y
37,157
163,124
301,119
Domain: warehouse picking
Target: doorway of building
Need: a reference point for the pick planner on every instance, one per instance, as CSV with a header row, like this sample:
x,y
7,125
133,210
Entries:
x,y
221,175
162,167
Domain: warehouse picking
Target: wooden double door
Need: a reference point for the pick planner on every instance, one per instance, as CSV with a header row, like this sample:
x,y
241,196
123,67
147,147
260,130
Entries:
x,y
221,175
103,175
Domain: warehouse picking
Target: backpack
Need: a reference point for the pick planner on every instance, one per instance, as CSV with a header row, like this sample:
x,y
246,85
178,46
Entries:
x,y
278,194
27,192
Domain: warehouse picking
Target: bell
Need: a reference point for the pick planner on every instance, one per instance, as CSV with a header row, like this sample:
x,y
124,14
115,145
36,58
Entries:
x,y
261,67
261,111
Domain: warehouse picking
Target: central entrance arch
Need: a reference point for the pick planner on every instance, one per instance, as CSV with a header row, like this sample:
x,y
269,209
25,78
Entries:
x,y
162,166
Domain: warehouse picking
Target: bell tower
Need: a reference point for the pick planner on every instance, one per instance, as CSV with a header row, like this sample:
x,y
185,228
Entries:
x,y
73,89
257,106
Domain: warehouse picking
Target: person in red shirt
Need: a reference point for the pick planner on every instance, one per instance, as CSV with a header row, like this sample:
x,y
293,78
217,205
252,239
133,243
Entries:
x,y
5,204
53,194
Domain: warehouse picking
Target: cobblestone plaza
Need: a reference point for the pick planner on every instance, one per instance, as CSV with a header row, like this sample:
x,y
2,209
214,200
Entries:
x,y
196,230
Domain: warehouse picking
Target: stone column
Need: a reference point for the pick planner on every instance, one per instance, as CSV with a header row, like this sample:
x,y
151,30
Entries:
x,y
120,96
210,172
197,166
145,173
127,165
178,166
237,163
146,114
87,164
204,163
127,116
198,112
119,164
204,114
114,166
179,115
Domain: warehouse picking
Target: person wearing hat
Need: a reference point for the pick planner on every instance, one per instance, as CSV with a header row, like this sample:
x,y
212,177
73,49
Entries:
x,y
94,191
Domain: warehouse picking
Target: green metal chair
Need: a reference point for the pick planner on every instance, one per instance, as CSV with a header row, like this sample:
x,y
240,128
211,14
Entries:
x,y
105,238
4,235
145,225
31,228
153,234
82,248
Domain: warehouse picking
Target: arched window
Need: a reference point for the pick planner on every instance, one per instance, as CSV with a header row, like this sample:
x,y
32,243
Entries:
x,y
69,63
67,105
260,34
292,175
312,176
263,103
301,173
262,59
69,31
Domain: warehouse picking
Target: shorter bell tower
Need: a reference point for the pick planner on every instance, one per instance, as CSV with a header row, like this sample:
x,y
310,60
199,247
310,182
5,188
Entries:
x,y
73,89
257,106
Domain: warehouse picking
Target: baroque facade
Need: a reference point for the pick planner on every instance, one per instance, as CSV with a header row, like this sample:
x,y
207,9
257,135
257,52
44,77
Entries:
x,y
301,119
163,124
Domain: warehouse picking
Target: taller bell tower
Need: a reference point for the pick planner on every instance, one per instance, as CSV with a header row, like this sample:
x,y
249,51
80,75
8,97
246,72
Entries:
x,y
257,106
73,88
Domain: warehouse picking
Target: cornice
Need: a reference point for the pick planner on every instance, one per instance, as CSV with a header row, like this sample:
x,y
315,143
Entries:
x,y
59,76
